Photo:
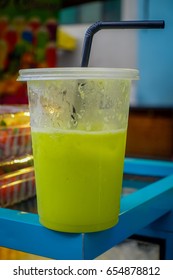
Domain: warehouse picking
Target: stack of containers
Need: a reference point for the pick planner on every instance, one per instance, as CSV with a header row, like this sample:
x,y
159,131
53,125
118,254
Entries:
x,y
17,181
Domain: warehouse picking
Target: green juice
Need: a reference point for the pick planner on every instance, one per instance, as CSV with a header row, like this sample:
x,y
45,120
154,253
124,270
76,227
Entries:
x,y
78,178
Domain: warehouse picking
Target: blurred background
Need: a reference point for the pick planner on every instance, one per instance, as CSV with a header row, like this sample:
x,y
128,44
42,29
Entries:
x,y
44,33
50,34
150,51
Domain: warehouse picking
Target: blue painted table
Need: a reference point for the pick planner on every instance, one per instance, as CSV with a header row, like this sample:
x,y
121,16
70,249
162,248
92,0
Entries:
x,y
148,211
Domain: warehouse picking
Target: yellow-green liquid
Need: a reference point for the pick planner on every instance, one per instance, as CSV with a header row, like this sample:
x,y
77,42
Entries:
x,y
78,178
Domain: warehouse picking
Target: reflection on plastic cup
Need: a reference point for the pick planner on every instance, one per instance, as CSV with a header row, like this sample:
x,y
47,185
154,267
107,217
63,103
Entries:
x,y
79,121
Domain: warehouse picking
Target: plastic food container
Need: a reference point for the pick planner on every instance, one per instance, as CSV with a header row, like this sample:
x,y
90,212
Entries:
x,y
15,163
15,135
79,120
11,109
17,186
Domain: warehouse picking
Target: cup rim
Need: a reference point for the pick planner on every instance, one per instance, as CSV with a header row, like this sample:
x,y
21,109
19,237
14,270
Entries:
x,y
77,73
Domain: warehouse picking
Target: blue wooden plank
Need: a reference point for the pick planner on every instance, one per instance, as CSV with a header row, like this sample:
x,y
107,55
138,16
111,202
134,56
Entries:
x,y
134,184
169,247
151,232
164,223
161,233
22,231
138,210
148,167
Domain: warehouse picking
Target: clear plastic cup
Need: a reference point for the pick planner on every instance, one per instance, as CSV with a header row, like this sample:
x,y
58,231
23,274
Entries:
x,y
79,121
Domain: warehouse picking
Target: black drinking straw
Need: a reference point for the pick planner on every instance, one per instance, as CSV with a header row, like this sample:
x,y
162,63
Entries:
x,y
147,24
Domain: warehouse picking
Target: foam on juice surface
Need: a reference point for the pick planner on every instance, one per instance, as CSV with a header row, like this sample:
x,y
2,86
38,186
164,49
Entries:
x,y
78,178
